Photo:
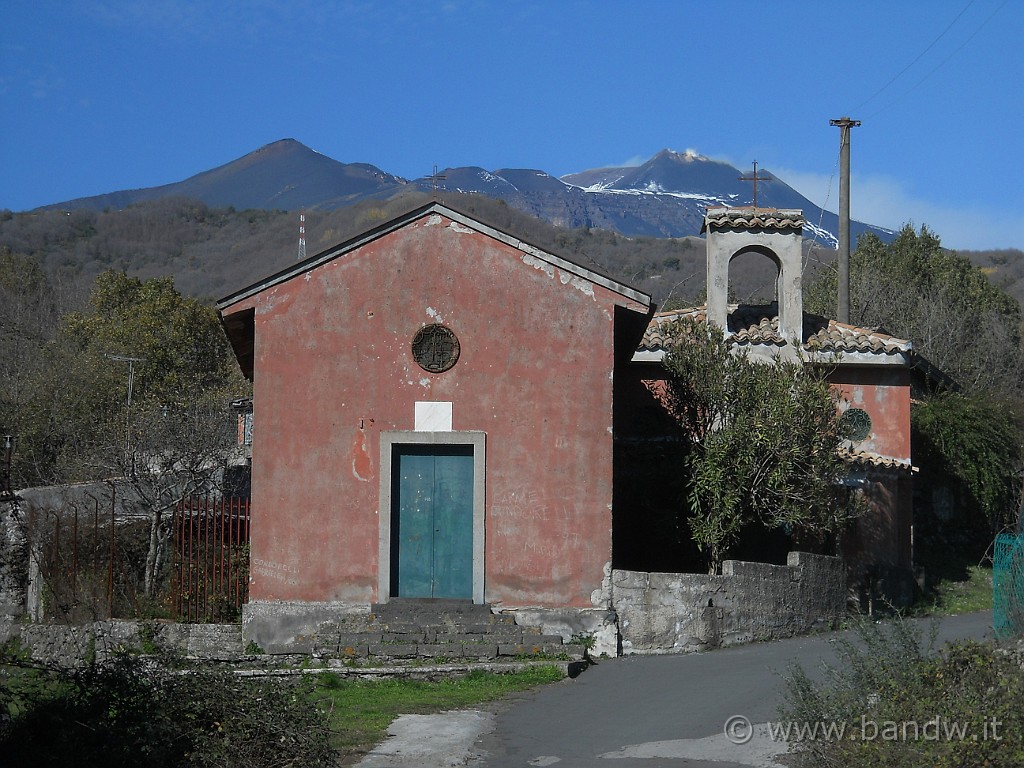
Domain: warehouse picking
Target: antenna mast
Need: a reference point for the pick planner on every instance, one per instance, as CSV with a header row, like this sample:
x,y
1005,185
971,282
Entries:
x,y
302,237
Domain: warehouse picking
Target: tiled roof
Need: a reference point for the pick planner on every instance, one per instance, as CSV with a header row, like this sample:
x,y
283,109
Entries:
x,y
750,324
868,460
750,218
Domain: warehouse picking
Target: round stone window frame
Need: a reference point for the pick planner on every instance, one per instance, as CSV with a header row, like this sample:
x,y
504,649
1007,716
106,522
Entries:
x,y
436,348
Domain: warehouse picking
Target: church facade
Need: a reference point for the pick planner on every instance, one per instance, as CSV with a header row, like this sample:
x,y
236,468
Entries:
x,y
433,412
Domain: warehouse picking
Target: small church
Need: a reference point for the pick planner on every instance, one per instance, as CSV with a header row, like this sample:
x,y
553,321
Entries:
x,y
443,411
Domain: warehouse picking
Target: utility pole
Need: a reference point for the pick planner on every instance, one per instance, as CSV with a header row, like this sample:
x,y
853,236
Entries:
x,y
844,123
5,490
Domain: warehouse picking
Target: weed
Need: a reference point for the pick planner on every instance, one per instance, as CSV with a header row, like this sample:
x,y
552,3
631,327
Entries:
x,y
587,639
147,638
253,648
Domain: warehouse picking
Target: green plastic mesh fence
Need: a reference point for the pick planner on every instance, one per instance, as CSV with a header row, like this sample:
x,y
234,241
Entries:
x,y
1008,586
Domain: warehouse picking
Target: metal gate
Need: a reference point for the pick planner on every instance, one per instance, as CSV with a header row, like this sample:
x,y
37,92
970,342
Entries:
x,y
211,559
1008,586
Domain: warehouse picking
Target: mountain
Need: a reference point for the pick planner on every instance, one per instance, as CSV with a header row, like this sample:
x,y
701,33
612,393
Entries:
x,y
664,197
284,175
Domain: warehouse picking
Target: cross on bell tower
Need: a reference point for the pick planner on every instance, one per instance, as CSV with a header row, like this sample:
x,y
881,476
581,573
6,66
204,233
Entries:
x,y
755,178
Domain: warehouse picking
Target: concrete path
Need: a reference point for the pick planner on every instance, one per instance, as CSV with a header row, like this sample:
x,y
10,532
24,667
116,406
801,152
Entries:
x,y
430,741
707,710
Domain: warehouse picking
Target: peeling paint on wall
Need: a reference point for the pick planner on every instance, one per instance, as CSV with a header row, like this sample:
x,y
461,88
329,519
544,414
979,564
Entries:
x,y
361,466
543,266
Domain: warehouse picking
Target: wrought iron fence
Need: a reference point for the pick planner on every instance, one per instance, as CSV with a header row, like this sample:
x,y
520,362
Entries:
x,y
85,561
1008,586
210,578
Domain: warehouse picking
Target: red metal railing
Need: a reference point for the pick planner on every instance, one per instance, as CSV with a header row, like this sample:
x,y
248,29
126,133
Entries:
x,y
211,558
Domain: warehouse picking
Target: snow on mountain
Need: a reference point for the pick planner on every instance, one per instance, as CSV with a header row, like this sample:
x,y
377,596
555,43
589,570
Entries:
x,y
666,196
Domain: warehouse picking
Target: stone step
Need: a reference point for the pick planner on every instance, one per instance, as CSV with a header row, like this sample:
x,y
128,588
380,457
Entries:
x,y
405,629
432,611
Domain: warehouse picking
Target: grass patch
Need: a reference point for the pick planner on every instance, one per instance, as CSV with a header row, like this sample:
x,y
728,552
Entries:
x,y
360,711
954,595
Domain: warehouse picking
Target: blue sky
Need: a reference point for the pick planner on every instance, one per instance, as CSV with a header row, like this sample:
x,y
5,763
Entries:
x,y
101,96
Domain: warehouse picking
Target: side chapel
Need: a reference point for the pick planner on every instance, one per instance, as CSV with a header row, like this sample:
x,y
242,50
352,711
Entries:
x,y
872,371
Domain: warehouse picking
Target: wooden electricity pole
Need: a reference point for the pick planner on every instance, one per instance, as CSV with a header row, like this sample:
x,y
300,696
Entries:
x,y
844,123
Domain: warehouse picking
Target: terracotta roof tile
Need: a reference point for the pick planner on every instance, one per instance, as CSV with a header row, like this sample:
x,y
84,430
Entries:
x,y
868,460
759,324
749,217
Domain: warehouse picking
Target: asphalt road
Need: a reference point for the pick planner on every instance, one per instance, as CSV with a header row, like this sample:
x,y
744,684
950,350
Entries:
x,y
654,711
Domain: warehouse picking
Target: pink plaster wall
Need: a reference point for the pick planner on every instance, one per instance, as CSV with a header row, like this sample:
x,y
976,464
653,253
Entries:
x,y
884,392
333,368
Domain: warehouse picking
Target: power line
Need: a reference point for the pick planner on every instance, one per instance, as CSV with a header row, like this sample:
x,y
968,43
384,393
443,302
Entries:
x,y
899,74
943,62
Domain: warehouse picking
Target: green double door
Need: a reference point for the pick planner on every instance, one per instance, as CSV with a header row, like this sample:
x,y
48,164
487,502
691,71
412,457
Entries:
x,y
432,521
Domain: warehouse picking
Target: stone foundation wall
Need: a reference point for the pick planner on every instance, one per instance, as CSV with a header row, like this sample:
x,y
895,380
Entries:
x,y
681,612
279,624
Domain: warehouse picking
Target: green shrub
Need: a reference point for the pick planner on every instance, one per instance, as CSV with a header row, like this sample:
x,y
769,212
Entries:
x,y
891,701
131,712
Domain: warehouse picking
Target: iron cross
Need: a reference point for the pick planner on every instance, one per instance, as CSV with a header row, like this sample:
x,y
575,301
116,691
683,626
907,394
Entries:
x,y
755,178
434,178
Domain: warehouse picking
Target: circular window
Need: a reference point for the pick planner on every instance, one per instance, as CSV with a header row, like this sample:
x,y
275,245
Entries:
x,y
856,424
435,348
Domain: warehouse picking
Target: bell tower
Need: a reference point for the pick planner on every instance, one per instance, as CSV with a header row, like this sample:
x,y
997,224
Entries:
x,y
773,232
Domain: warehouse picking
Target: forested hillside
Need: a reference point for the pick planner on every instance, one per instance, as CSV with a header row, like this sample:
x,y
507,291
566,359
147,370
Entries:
x,y
211,252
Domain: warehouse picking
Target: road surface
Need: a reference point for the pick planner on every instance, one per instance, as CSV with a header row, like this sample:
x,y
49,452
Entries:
x,y
633,712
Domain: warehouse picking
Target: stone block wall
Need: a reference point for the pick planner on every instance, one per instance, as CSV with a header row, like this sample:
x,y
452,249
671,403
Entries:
x,y
681,612
71,645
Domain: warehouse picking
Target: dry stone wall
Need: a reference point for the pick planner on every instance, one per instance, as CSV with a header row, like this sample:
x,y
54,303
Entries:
x,y
681,612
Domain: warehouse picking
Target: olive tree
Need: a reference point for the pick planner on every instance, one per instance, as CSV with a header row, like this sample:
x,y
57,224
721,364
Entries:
x,y
762,440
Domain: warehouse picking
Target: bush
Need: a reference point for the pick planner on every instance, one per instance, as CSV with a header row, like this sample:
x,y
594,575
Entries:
x,y
133,711
892,702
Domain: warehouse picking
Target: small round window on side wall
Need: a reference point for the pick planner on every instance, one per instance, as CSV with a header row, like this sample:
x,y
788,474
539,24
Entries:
x,y
856,424
435,348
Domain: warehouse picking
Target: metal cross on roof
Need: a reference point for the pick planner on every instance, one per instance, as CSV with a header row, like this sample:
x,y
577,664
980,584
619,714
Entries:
x,y
755,178
434,178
